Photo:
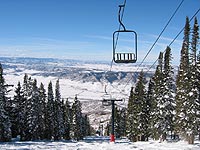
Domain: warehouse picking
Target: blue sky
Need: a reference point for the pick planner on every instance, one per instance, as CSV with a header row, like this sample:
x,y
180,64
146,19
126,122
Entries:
x,y
82,29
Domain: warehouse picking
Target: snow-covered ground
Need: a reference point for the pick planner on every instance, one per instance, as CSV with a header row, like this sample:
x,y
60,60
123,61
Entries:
x,y
99,143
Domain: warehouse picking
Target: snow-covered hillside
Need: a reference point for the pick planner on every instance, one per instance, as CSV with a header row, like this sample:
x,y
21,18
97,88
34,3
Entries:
x,y
86,80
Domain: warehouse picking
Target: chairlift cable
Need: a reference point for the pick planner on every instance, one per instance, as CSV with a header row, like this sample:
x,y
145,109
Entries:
x,y
156,40
174,39
161,33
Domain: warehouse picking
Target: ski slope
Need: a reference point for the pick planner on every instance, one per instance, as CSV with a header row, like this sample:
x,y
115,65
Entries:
x,y
99,143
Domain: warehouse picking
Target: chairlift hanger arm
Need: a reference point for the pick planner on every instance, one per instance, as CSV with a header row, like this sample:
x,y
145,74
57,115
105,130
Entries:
x,y
119,16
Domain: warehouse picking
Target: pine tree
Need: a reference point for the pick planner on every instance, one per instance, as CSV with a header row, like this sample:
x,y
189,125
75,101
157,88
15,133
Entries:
x,y
195,77
157,90
41,112
76,126
31,116
17,111
198,84
142,107
117,122
168,104
137,124
107,129
66,109
122,122
86,126
152,108
5,124
49,124
185,104
58,114
131,119
23,107
193,95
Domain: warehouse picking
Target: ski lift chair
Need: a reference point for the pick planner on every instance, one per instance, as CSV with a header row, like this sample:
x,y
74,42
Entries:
x,y
124,57
106,100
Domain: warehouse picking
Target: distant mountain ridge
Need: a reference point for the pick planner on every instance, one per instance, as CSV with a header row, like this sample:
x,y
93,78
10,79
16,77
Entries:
x,y
84,71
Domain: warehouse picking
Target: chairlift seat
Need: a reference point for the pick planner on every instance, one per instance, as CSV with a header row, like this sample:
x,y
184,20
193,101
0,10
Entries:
x,y
125,58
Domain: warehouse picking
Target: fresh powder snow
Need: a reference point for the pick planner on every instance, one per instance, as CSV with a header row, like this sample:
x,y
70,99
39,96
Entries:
x,y
99,143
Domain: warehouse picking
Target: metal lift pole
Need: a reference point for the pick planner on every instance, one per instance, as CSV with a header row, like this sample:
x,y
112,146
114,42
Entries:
x,y
112,136
107,101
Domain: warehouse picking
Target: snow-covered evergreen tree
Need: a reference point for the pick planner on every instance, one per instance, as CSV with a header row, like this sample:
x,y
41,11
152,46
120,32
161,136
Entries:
x,y
76,126
122,122
31,114
131,119
41,112
167,104
156,97
152,108
195,75
187,90
16,113
5,124
66,109
49,133
142,106
198,77
58,114
86,125
117,122
137,113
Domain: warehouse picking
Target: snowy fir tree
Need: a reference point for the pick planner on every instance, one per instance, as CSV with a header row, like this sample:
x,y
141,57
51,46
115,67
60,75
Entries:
x,y
131,119
152,108
117,122
66,109
31,114
122,122
168,100
156,97
187,89
182,83
58,114
49,132
15,115
5,124
86,125
195,76
41,112
137,113
142,107
198,78
76,124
